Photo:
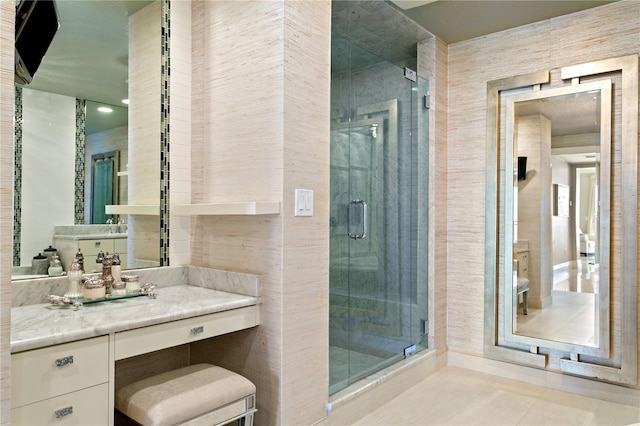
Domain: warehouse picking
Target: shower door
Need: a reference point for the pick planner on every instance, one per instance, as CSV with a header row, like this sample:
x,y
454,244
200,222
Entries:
x,y
377,304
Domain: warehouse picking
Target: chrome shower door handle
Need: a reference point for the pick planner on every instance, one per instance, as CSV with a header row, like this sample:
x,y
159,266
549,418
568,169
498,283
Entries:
x,y
365,220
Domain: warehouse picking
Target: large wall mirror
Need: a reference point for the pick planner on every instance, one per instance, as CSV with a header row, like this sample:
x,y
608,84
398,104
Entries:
x,y
560,221
79,93
561,247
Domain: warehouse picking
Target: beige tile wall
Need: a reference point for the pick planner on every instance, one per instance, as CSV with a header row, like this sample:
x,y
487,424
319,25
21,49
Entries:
x,y
598,33
7,27
180,134
260,130
533,134
144,131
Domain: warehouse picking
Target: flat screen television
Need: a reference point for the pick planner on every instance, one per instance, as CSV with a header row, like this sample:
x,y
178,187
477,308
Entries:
x,y
37,22
522,168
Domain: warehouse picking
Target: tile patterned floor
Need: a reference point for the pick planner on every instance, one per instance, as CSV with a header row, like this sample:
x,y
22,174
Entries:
x,y
456,396
571,316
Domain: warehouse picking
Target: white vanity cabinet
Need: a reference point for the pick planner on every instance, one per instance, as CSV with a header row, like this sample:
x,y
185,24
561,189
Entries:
x,y
64,362
62,384
68,246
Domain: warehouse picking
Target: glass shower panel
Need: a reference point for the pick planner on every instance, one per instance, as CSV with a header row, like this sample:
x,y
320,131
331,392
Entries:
x,y
376,306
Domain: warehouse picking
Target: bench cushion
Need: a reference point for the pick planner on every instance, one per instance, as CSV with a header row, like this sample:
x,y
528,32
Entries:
x,y
182,394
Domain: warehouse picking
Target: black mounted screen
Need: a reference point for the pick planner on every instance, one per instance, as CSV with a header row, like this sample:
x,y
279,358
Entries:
x,y
37,22
522,168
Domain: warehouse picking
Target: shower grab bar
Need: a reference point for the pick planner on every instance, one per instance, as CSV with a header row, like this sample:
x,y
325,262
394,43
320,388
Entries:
x,y
365,221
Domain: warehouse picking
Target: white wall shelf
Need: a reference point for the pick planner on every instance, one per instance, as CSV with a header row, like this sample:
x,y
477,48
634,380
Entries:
x,y
141,209
227,209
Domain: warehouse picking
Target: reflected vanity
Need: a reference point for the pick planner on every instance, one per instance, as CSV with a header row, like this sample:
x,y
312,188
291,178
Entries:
x,y
565,227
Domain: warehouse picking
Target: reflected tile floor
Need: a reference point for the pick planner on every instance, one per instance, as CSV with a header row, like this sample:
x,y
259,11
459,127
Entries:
x,y
456,396
570,318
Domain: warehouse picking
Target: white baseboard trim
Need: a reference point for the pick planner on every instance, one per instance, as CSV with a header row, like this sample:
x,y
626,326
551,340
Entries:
x,y
549,379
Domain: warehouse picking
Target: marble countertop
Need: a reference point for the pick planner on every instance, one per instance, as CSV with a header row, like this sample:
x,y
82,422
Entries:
x,y
40,325
90,236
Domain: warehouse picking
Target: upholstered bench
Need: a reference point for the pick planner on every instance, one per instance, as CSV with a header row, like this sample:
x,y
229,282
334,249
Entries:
x,y
200,394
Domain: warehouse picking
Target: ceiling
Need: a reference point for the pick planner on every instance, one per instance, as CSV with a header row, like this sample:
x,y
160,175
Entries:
x,y
88,57
569,114
459,20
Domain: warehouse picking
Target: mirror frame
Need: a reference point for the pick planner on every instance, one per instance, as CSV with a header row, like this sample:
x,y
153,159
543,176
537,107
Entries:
x,y
495,346
601,348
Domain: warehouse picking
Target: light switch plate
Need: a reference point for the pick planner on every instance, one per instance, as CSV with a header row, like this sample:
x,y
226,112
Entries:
x,y
304,202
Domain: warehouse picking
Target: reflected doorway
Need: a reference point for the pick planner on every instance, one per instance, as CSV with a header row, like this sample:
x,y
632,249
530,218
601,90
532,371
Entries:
x,y
104,184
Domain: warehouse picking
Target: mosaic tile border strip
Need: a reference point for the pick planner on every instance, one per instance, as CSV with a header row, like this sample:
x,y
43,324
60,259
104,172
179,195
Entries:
x,y
81,115
165,75
17,177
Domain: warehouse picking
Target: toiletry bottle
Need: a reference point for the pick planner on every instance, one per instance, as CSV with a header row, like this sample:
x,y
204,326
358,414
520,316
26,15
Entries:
x,y
75,275
106,273
55,267
80,259
119,287
99,260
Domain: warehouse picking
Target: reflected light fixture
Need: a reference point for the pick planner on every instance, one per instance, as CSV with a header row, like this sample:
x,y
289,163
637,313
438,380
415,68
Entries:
x,y
105,109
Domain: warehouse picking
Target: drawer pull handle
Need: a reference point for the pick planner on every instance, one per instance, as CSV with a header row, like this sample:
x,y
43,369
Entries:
x,y
97,243
197,330
63,412
61,362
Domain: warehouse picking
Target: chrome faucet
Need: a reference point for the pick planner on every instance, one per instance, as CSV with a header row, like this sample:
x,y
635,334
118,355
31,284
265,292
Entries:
x,y
120,225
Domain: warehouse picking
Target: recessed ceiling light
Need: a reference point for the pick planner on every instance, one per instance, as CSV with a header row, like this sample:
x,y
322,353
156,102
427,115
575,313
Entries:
x,y
105,109
125,101
410,4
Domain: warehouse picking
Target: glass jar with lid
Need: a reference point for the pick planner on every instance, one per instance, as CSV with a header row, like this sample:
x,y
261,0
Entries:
x,y
132,282
93,288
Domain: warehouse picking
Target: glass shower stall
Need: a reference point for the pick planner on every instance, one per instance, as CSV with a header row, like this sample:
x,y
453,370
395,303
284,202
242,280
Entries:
x,y
378,212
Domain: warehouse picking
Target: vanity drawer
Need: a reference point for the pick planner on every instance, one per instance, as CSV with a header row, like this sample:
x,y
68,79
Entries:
x,y
55,370
147,339
86,407
120,245
523,264
93,247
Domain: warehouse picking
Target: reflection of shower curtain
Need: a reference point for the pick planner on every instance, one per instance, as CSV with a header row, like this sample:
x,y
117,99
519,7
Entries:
x,y
591,207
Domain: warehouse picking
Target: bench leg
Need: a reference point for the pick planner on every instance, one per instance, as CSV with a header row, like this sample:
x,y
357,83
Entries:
x,y
524,302
246,421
